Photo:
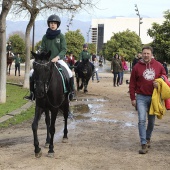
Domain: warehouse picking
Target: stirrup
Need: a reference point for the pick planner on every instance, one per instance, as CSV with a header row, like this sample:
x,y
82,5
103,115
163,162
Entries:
x,y
71,96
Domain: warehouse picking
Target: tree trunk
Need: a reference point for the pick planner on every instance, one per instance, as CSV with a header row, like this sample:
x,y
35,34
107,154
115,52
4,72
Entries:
x,y
6,6
28,47
27,60
3,61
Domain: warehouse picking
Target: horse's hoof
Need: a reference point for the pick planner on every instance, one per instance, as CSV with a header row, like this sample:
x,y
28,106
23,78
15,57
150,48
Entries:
x,y
50,155
38,155
65,140
46,145
85,91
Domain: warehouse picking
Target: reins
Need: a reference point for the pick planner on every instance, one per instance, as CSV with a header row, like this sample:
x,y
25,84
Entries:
x,y
47,86
63,98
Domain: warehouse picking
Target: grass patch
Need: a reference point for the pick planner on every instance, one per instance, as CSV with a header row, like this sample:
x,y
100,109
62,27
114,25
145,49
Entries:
x,y
18,119
14,99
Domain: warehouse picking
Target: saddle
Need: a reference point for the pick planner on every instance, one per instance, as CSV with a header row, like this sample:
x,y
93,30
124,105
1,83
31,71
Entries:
x,y
65,77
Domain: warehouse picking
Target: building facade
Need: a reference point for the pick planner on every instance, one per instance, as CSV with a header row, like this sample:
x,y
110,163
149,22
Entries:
x,y
103,29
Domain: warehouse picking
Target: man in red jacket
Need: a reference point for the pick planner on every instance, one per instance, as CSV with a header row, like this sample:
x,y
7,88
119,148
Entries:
x,y
141,88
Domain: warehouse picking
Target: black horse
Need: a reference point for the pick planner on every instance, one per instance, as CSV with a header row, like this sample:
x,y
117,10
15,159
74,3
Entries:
x,y
50,96
83,72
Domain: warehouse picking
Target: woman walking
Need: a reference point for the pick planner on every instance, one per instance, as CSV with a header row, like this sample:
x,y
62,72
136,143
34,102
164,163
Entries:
x,y
116,68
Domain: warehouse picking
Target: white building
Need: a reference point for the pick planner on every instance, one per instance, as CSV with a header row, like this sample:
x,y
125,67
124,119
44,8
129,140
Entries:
x,y
103,29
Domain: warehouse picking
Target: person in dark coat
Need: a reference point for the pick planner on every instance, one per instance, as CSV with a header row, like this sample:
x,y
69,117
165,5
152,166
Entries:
x,y
165,67
136,59
116,69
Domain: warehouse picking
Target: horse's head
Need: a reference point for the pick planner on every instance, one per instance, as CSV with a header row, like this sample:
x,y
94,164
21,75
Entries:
x,y
42,72
85,66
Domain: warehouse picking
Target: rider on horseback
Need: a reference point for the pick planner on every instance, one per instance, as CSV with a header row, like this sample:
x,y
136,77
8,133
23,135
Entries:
x,y
54,41
85,56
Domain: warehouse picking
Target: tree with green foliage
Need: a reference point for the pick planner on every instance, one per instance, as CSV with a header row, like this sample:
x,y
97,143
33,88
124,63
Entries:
x,y
18,45
161,36
92,48
38,45
75,41
126,43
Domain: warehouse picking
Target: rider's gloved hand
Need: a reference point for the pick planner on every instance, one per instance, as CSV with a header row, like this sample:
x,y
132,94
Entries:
x,y
55,59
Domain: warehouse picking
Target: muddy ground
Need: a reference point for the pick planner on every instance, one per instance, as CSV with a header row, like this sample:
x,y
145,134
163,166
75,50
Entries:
x,y
103,135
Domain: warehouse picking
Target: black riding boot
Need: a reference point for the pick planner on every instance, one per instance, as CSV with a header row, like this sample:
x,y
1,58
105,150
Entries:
x,y
32,90
114,82
72,91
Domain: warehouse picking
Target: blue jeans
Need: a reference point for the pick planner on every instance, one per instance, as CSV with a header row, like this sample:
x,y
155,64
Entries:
x,y
143,105
97,77
121,77
116,77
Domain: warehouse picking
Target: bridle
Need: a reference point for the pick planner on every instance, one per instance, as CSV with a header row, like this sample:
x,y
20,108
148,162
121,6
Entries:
x,y
47,84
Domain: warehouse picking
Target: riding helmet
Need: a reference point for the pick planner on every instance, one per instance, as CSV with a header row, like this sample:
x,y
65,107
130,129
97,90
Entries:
x,y
54,18
85,46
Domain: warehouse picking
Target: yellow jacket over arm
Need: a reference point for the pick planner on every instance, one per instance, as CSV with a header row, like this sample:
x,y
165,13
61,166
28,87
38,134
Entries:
x,y
159,95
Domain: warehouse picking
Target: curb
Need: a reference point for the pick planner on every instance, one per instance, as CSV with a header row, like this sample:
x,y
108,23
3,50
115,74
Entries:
x,y
16,112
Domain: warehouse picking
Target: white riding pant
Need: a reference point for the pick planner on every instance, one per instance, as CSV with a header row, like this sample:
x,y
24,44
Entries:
x,y
63,63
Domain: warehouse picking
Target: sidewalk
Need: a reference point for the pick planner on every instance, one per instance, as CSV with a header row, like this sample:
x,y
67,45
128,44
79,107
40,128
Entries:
x,y
16,112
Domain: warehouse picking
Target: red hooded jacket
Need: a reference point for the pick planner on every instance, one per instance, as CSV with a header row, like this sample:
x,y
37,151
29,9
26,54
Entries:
x,y
142,77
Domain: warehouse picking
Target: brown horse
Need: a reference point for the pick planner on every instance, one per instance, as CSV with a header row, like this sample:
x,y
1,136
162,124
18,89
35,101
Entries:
x,y
9,61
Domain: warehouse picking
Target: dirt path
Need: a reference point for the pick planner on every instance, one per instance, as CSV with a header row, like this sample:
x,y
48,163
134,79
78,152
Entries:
x,y
103,135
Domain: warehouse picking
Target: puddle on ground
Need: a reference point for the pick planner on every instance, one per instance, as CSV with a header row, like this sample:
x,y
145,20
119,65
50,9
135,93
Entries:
x,y
103,120
82,112
90,99
80,109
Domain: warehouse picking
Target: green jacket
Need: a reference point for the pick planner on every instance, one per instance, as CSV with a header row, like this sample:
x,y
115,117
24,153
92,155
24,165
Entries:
x,y
56,45
17,60
116,65
84,55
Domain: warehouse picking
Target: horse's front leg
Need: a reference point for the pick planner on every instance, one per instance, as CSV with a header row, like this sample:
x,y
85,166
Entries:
x,y
9,69
47,121
77,81
81,86
65,114
52,132
38,113
85,85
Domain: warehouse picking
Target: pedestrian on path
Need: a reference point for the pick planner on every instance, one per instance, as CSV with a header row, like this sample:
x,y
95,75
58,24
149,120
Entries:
x,y
96,64
17,64
116,69
141,88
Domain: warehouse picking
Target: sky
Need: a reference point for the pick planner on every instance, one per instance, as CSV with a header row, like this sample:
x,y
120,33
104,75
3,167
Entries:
x,y
126,8
110,8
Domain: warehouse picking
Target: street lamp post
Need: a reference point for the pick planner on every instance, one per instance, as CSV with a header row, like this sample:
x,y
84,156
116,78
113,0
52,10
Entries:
x,y
70,23
88,33
140,18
